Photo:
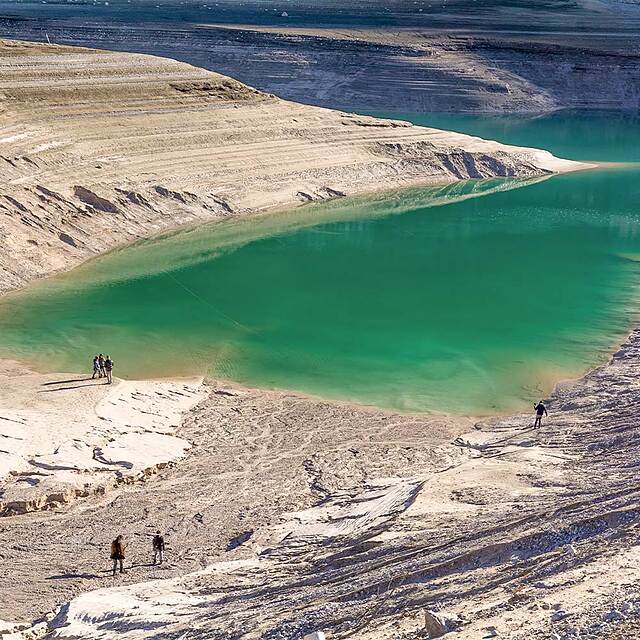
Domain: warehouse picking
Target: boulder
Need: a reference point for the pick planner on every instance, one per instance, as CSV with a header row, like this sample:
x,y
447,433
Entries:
x,y
437,623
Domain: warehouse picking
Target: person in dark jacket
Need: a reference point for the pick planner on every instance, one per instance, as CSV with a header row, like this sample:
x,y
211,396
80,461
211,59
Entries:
x,y
158,548
117,554
108,368
540,410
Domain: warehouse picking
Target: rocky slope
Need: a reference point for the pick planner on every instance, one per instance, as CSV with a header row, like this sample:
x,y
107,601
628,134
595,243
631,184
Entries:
x,y
505,532
99,148
506,59
255,455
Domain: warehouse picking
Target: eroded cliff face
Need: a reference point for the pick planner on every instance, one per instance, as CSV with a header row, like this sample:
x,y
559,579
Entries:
x,y
100,148
489,58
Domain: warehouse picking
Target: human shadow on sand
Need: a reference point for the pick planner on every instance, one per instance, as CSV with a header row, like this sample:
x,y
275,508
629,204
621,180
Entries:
x,y
75,386
48,384
71,576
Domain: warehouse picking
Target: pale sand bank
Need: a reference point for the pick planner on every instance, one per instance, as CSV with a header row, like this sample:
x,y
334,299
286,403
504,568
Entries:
x,y
98,149
255,455
68,436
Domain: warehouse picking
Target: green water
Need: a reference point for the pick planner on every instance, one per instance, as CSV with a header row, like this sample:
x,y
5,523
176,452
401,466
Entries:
x,y
472,298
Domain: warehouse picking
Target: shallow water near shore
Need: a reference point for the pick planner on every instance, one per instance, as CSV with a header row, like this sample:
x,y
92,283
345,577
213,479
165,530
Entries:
x,y
470,299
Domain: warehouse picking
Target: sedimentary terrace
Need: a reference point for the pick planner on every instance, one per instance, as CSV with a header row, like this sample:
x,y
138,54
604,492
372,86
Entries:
x,y
524,64
71,436
100,148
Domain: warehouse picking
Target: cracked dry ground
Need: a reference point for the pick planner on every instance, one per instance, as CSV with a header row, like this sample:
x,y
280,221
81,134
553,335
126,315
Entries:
x,y
510,525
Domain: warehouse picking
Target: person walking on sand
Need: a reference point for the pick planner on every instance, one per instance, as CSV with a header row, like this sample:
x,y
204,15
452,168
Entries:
x,y
117,554
96,367
158,548
540,410
101,365
108,368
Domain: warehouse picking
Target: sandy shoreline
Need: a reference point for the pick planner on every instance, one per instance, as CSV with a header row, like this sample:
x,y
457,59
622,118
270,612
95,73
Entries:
x,y
319,515
142,144
69,436
245,441
369,200
502,524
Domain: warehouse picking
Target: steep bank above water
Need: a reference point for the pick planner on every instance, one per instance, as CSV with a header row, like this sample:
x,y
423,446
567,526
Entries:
x,y
98,148
509,58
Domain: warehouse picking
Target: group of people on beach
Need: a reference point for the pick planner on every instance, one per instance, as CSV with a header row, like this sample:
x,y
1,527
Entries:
x,y
118,551
103,367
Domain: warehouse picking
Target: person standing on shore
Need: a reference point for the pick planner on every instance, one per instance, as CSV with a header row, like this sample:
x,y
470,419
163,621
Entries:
x,y
117,554
108,368
101,365
96,367
158,548
540,410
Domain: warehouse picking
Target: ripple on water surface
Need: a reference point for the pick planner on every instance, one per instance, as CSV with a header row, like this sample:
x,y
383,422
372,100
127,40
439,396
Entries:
x,y
474,306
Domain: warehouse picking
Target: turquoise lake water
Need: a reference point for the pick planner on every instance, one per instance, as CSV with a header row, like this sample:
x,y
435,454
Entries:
x,y
471,299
